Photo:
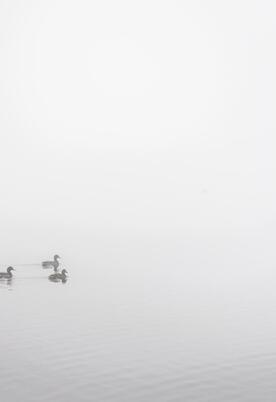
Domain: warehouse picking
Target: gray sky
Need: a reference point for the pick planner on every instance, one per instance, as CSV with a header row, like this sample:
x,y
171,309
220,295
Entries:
x,y
142,117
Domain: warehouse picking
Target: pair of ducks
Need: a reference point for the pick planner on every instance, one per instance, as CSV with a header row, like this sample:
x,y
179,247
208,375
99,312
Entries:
x,y
57,276
46,264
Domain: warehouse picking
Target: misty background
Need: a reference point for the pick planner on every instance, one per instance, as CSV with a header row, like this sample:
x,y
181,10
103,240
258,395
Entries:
x,y
138,142
123,120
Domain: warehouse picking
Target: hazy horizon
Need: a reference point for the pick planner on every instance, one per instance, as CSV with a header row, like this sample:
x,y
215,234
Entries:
x,y
137,141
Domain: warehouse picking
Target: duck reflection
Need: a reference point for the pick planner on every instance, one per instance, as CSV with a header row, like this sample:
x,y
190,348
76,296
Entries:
x,y
6,283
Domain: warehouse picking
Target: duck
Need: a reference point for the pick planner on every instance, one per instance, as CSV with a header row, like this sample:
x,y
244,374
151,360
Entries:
x,y
8,274
52,264
57,276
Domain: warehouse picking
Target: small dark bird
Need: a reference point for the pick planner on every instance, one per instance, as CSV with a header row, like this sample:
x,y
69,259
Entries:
x,y
8,274
59,276
52,264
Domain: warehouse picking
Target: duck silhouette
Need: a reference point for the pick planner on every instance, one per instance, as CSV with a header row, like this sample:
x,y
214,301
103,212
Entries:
x,y
8,274
58,276
52,264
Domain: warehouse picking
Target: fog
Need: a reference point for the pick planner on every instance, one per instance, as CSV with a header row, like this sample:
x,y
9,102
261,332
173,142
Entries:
x,y
138,142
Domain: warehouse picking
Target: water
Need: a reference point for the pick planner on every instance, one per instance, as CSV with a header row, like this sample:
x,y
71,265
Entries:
x,y
148,328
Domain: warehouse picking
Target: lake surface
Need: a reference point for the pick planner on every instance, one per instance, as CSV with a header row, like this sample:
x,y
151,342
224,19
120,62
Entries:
x,y
140,326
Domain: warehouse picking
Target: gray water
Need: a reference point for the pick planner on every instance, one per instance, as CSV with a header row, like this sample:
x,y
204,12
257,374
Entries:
x,y
139,322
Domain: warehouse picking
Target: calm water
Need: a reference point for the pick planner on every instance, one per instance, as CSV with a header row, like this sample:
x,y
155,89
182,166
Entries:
x,y
139,329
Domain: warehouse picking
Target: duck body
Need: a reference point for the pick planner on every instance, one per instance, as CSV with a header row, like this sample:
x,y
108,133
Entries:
x,y
8,274
58,276
51,264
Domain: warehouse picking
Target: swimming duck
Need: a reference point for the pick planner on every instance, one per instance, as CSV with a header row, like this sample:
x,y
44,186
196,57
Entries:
x,y
52,264
8,274
59,276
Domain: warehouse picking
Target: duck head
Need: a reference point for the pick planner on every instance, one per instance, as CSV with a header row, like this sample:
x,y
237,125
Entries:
x,y
64,272
9,269
56,256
